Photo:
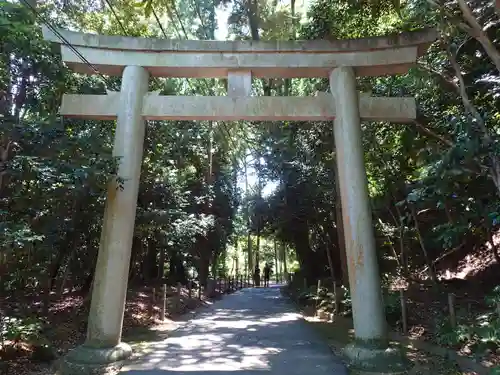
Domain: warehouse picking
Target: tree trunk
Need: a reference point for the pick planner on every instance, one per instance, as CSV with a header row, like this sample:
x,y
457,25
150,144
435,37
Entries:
x,y
401,229
87,284
161,267
136,250
203,273
476,31
285,269
432,273
312,263
276,260
330,263
150,261
247,212
253,19
257,249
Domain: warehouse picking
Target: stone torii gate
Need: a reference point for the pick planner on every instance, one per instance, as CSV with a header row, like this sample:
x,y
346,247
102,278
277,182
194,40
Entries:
x,y
136,59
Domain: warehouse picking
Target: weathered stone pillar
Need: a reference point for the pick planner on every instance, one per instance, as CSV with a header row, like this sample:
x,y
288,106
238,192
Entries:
x,y
103,343
370,349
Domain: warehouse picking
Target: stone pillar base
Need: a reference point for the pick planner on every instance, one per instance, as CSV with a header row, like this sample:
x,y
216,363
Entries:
x,y
85,360
367,359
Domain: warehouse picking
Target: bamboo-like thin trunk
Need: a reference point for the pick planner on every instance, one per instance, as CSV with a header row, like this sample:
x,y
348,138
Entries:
x,y
276,260
285,270
249,237
432,273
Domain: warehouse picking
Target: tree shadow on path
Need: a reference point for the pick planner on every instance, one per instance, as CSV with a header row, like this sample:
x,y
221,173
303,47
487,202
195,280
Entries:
x,y
249,332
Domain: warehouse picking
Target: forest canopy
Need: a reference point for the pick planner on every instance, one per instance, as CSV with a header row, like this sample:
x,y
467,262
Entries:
x,y
433,183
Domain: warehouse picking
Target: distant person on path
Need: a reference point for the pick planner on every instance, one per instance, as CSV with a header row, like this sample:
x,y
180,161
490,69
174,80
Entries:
x,y
267,274
256,275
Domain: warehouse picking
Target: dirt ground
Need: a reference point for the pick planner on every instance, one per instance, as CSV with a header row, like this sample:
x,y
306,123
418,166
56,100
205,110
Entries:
x,y
64,327
340,332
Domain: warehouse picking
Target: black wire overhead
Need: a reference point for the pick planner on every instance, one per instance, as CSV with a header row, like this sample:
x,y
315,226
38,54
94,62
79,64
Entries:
x,y
223,127
125,33
116,17
107,84
65,41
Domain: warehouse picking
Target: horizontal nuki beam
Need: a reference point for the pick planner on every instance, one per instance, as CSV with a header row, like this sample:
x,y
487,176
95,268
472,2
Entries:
x,y
213,59
223,108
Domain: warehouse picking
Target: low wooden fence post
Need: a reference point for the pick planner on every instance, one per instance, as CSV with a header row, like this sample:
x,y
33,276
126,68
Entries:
x,y
335,299
164,302
152,302
404,313
318,289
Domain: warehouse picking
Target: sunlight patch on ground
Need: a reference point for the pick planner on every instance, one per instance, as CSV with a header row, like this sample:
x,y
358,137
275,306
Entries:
x,y
197,341
287,317
219,360
205,353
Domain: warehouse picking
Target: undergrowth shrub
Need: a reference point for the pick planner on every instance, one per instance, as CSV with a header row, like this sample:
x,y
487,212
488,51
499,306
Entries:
x,y
481,333
16,331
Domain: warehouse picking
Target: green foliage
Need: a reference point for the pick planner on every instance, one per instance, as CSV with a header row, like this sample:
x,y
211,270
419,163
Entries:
x,y
17,330
346,300
453,336
392,301
27,331
481,334
430,181
56,175
493,298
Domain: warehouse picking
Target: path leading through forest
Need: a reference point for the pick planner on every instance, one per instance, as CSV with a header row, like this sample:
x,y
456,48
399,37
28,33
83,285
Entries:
x,y
249,332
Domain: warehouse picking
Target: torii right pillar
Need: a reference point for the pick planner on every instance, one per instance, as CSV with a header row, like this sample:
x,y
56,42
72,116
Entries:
x,y
370,350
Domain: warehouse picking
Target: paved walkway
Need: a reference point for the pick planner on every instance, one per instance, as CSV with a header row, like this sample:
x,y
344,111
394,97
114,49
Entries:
x,y
247,333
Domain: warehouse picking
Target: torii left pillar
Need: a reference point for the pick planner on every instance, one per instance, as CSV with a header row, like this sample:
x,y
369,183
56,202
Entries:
x,y
103,344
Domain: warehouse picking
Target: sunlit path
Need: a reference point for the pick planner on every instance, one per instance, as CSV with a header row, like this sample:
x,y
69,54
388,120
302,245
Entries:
x,y
249,332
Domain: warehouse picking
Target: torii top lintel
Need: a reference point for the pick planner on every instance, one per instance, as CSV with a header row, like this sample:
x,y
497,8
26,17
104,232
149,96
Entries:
x,y
382,55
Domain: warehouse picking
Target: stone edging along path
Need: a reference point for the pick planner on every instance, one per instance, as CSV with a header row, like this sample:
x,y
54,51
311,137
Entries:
x,y
466,364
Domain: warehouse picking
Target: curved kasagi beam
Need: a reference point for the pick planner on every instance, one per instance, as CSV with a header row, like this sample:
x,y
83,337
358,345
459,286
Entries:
x,y
213,59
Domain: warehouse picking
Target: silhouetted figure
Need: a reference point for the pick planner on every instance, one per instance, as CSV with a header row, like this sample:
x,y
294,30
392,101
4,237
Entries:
x,y
267,274
256,275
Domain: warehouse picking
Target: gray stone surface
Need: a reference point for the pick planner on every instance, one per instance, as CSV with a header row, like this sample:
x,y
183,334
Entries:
x,y
361,250
419,37
247,333
382,55
223,108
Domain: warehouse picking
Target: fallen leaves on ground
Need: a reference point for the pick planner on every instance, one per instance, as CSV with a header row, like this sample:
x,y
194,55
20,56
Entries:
x,y
64,327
